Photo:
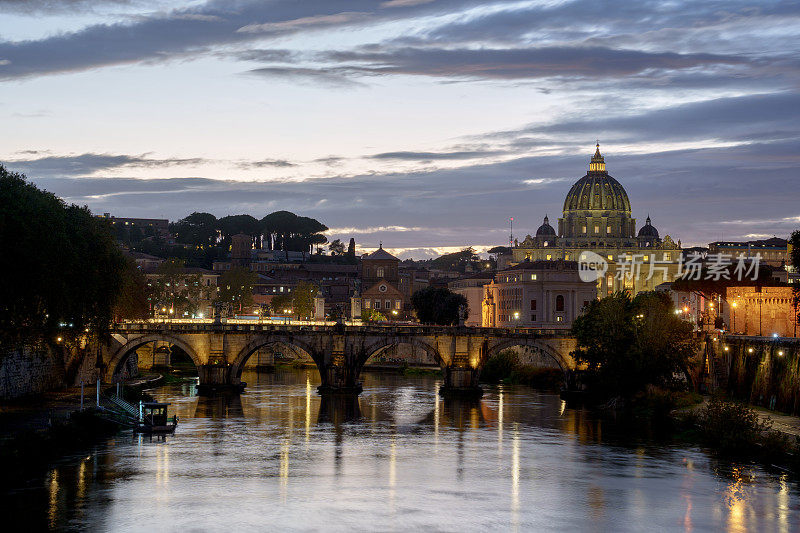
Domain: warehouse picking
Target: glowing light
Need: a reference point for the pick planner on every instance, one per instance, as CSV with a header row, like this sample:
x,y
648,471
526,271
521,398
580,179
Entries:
x,y
726,348
750,350
58,339
780,353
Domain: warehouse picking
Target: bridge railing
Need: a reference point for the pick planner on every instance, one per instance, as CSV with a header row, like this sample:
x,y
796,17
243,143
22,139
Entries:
x,y
298,326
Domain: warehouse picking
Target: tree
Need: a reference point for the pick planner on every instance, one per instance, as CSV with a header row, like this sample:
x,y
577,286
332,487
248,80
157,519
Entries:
x,y
627,344
172,288
336,247
132,302
198,229
284,230
61,265
441,306
281,303
236,224
458,261
371,315
236,288
303,299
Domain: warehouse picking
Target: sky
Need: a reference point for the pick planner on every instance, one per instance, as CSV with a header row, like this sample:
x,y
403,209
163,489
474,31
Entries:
x,y
422,124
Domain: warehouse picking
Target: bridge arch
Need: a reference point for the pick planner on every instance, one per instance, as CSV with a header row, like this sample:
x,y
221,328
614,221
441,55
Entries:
x,y
378,346
563,363
123,352
264,340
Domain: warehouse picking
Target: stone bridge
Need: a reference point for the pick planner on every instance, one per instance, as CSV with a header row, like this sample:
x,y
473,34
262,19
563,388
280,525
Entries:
x,y
220,351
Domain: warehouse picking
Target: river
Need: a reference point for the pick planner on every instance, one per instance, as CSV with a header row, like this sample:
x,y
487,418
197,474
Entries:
x,y
280,457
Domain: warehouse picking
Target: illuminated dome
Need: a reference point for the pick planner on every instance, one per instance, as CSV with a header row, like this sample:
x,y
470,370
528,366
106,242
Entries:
x,y
546,230
597,191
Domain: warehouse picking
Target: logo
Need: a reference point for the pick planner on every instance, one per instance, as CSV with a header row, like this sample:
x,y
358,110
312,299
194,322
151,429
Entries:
x,y
591,266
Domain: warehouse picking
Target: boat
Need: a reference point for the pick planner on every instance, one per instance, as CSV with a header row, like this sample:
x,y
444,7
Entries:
x,y
153,419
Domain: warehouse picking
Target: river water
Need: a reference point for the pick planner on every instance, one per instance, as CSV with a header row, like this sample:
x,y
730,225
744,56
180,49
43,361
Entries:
x,y
280,457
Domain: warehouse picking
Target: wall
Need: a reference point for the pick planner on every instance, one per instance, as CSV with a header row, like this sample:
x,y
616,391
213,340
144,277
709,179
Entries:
x,y
32,370
759,369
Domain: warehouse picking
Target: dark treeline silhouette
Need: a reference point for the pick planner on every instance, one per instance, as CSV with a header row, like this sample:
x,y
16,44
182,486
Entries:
x,y
281,230
63,273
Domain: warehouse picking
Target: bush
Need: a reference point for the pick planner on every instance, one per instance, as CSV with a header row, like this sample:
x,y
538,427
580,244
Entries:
x,y
500,367
731,427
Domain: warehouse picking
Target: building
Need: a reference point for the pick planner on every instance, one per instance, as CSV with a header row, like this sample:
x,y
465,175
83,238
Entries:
x,y
536,294
241,250
157,226
380,285
597,217
145,262
761,311
774,252
471,287
193,291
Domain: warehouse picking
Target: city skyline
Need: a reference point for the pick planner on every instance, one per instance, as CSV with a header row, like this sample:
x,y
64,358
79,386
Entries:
x,y
422,124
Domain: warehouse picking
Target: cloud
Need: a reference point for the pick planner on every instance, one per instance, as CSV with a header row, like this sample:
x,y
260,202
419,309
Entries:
x,y
315,21
429,156
89,163
190,32
524,63
277,163
328,77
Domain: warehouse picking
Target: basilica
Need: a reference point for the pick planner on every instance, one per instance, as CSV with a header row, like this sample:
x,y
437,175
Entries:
x,y
597,218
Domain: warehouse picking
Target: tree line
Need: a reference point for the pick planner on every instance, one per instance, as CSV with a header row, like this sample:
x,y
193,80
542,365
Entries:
x,y
62,269
281,230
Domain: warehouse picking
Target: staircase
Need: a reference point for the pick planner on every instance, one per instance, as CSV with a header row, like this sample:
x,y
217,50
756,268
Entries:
x,y
120,411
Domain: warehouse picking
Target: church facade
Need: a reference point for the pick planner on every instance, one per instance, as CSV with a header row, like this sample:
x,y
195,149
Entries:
x,y
597,218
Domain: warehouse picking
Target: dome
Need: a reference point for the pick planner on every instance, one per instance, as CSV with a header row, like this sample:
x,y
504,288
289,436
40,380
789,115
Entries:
x,y
546,230
648,230
597,191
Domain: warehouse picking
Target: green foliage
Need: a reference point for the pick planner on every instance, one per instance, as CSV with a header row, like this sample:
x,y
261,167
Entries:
x,y
500,367
505,367
371,315
198,229
236,224
303,298
280,302
172,288
286,231
336,247
61,264
458,261
629,344
794,242
440,306
132,302
236,288
731,427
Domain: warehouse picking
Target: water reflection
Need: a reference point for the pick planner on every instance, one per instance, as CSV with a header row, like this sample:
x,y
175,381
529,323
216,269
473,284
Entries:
x,y
404,458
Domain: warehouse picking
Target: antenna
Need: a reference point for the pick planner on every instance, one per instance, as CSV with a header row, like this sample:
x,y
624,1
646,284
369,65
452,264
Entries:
x,y
511,235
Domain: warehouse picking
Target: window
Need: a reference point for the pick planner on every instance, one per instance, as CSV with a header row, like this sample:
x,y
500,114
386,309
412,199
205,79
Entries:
x,y
398,304
597,230
610,257
379,272
559,302
533,318
545,243
387,304
608,230
533,277
533,305
566,257
559,318
367,304
549,257
646,258
583,229
667,256
377,304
